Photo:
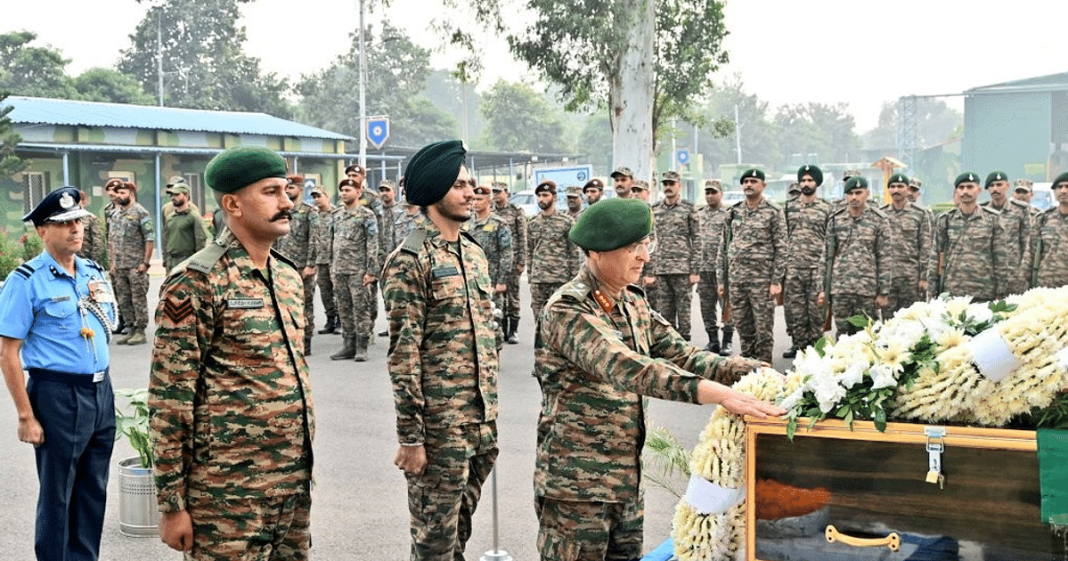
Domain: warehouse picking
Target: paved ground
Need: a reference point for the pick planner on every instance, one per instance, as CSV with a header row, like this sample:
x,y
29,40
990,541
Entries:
x,y
359,507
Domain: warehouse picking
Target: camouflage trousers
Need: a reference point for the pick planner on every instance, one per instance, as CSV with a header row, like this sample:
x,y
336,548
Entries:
x,y
353,304
131,294
274,529
372,306
326,289
309,306
674,295
539,295
708,296
804,317
511,298
443,499
589,531
904,292
846,306
754,315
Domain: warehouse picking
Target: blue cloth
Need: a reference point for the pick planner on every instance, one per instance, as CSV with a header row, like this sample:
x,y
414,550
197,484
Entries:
x,y
41,309
663,552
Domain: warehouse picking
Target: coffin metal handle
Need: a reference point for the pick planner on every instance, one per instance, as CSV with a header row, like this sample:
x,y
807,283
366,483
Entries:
x,y
892,541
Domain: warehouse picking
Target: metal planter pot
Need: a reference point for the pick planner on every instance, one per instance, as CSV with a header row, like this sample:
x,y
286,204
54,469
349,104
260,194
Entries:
x,y
138,513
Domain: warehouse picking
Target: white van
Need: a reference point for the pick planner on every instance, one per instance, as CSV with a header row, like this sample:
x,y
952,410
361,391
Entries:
x,y
1043,195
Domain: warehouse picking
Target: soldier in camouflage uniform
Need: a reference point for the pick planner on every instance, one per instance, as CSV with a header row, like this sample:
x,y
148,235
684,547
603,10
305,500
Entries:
x,y
299,247
751,268
387,194
1049,243
910,235
856,258
675,268
602,352
442,359
324,241
712,217
968,257
574,202
94,245
1016,223
624,182
594,190
553,258
229,392
517,222
183,231
355,266
407,219
495,239
132,239
806,227
1023,192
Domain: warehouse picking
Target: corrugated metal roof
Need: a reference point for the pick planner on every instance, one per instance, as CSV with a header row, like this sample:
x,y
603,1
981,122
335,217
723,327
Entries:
x,y
1047,83
96,114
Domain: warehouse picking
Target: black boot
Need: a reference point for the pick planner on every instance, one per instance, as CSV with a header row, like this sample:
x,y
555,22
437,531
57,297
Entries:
x,y
348,351
331,325
360,354
513,327
790,353
713,342
121,328
727,349
307,346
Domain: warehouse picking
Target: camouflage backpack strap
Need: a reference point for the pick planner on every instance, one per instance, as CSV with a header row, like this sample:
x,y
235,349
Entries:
x,y
206,258
414,242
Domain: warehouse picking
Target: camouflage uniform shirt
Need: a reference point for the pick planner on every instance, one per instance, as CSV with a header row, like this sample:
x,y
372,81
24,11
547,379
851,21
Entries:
x,y
517,222
678,239
442,348
1049,245
595,365
910,231
129,230
355,242
493,235
299,244
975,264
324,236
1016,223
711,222
229,391
403,224
557,258
806,227
858,250
754,244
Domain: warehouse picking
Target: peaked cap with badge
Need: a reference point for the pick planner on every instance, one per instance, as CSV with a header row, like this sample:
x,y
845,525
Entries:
x,y
57,207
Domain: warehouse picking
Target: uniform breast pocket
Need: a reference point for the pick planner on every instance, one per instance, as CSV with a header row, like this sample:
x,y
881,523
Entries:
x,y
447,288
62,314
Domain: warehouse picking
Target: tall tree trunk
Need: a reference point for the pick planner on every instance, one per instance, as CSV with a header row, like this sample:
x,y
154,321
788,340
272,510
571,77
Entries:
x,y
630,93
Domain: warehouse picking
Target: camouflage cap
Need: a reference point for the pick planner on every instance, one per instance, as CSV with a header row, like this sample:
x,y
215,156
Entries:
x,y
386,184
755,173
898,178
612,224
858,182
179,188
175,180
622,171
915,184
814,171
850,173
713,185
574,191
594,184
318,189
995,176
640,185
670,176
794,188
1023,185
499,186
547,186
240,166
966,177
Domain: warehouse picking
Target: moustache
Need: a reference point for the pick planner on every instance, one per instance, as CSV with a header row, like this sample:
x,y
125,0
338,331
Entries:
x,y
281,214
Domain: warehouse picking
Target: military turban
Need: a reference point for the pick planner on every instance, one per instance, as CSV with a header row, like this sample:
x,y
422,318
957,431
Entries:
x,y
432,171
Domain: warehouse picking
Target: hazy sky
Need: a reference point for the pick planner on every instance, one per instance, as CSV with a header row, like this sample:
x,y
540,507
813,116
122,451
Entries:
x,y
787,51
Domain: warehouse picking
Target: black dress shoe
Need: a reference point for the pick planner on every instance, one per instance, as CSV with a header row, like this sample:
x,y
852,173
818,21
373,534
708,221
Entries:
x,y
790,353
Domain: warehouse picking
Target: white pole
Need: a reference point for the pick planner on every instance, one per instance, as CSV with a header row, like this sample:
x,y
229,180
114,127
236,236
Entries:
x,y
737,134
363,93
497,554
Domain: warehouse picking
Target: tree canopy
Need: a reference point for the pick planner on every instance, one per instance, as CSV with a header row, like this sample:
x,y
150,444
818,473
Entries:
x,y
519,118
10,164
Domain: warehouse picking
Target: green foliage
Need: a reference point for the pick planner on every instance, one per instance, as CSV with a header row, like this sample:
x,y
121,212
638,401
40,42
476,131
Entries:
x,y
1054,416
817,128
10,254
32,71
396,67
203,59
110,85
519,118
10,163
667,457
134,425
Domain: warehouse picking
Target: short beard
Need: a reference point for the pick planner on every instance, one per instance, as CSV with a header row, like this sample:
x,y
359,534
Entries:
x,y
808,191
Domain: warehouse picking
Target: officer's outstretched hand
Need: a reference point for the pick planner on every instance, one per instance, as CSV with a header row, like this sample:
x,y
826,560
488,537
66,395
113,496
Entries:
x,y
176,530
735,401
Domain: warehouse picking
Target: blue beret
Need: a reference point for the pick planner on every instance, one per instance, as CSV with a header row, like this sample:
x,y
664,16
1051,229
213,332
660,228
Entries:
x,y
57,207
612,224
432,171
240,166
814,171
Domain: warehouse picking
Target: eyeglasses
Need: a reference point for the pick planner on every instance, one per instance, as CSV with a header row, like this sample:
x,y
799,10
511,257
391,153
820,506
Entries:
x,y
636,189
649,246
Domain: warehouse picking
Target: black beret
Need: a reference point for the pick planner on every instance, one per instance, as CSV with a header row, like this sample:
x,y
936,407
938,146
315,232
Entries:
x,y
432,171
547,186
965,177
57,207
612,224
482,190
357,168
594,183
814,171
1062,178
751,173
995,176
295,179
240,166
856,182
349,183
898,178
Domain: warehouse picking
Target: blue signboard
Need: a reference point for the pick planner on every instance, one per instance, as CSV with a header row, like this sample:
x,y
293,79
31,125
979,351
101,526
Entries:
x,y
683,156
378,130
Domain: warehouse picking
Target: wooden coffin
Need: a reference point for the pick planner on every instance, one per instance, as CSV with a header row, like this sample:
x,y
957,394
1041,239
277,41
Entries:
x,y
987,507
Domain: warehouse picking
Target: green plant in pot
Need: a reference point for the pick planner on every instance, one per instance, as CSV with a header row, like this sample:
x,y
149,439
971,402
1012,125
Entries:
x,y
135,424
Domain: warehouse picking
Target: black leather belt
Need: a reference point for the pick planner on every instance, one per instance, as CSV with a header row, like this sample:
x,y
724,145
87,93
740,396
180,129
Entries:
x,y
46,375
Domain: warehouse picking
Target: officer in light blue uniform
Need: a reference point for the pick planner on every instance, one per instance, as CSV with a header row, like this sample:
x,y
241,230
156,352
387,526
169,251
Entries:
x,y
56,315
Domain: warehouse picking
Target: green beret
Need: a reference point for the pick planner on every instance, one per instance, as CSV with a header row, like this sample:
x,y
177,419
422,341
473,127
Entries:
x,y
965,177
432,171
612,224
856,182
240,166
898,178
814,171
995,176
751,173
1062,178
